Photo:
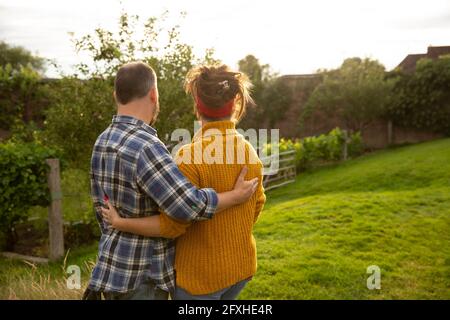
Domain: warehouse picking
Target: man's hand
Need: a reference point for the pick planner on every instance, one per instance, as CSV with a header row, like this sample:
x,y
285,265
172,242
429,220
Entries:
x,y
243,190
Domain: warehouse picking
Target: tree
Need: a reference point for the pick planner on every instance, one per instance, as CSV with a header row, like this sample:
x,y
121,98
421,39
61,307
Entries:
x,y
422,99
20,90
20,94
257,73
83,106
18,57
271,95
357,92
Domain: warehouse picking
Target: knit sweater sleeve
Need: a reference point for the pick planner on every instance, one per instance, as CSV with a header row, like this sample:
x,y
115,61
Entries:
x,y
170,227
260,197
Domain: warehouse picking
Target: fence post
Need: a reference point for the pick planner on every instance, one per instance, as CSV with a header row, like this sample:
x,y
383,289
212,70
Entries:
x,y
55,220
390,136
345,151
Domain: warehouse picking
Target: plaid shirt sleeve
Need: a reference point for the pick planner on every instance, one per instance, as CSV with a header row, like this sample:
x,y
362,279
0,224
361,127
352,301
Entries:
x,y
159,177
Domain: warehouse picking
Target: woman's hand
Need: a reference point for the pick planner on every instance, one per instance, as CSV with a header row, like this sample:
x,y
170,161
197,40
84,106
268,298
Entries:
x,y
145,226
110,215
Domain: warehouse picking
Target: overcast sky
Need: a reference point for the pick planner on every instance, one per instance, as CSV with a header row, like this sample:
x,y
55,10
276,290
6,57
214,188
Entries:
x,y
294,37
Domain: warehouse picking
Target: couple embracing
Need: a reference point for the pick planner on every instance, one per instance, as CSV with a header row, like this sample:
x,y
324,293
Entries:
x,y
180,227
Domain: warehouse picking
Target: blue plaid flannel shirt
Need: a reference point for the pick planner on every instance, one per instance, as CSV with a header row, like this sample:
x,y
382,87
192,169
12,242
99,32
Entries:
x,y
136,171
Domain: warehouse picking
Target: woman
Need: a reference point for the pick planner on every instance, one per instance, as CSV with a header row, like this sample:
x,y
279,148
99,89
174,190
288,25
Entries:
x,y
214,259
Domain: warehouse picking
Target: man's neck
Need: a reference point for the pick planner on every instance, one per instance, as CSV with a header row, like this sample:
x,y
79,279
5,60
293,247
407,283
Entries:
x,y
134,111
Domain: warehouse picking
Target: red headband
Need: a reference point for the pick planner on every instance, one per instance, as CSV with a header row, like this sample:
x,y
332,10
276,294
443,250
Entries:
x,y
220,112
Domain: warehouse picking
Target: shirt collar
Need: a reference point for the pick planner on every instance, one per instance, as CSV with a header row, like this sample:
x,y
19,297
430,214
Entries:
x,y
134,121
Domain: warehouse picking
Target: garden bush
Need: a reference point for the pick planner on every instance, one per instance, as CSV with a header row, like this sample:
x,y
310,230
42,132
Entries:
x,y
23,184
316,150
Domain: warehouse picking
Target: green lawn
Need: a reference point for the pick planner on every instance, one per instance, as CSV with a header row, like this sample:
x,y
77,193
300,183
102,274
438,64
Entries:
x,y
317,237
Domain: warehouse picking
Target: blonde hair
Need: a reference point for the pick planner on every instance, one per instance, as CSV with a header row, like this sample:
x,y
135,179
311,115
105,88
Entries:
x,y
217,85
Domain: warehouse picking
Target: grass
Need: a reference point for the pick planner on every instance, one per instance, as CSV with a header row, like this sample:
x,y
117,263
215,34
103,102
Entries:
x,y
23,280
76,197
317,236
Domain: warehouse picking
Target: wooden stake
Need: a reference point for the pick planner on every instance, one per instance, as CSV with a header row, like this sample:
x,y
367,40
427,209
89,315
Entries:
x,y
55,220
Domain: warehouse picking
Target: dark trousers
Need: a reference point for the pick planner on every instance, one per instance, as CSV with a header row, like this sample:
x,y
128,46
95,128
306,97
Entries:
x,y
145,291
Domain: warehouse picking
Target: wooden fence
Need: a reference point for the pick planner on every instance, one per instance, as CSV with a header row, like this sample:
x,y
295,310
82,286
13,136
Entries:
x,y
279,169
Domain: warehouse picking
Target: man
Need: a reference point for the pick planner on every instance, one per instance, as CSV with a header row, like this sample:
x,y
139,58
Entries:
x,y
133,170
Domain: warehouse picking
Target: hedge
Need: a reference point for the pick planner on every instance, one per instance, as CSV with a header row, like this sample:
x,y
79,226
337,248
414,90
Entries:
x,y
23,183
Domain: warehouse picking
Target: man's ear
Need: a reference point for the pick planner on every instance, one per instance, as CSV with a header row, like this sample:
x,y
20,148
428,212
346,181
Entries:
x,y
153,95
114,95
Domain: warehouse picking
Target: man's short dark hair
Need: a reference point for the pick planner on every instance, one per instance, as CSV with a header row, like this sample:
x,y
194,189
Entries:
x,y
133,81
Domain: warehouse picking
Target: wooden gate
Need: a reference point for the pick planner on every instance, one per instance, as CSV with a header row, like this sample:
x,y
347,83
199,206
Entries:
x,y
279,169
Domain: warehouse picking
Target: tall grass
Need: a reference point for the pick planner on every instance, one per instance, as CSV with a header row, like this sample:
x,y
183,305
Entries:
x,y
22,280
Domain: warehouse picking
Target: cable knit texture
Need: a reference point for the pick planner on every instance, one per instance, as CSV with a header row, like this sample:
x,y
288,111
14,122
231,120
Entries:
x,y
215,254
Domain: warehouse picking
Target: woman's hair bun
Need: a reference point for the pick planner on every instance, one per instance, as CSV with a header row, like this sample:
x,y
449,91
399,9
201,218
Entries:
x,y
216,85
223,86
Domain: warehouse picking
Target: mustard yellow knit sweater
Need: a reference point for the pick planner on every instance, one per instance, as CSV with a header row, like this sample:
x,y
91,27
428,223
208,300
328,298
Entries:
x,y
214,254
